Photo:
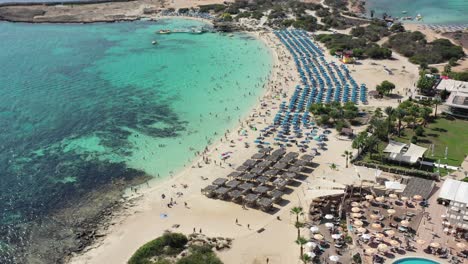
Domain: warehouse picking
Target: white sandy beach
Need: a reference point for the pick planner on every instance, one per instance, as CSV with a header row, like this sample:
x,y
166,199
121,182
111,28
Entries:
x,y
148,215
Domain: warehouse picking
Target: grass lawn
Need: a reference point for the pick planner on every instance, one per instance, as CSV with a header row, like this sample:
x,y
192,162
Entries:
x,y
442,132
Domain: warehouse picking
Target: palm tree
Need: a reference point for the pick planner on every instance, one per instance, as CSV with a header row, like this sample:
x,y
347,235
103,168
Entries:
x,y
371,144
306,258
425,114
390,117
333,166
297,210
399,114
437,101
299,225
359,142
378,112
301,241
347,154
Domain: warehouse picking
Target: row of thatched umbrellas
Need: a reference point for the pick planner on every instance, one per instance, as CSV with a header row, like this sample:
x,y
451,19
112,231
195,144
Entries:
x,y
259,180
356,213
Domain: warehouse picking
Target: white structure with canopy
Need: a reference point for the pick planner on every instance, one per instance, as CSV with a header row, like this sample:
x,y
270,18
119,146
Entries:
x,y
457,193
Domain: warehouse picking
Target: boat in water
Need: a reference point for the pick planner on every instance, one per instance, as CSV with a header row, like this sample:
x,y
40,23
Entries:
x,y
154,42
164,31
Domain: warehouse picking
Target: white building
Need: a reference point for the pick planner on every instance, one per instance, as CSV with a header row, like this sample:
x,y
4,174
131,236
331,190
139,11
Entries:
x,y
457,193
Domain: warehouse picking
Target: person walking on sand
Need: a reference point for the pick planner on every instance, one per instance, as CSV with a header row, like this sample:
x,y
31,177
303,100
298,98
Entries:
x,y
200,231
237,221
248,226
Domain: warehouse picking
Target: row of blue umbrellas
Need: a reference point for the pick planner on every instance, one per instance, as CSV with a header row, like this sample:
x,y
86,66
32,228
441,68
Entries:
x,y
314,70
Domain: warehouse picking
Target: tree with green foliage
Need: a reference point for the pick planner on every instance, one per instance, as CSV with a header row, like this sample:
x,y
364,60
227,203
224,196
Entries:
x,y
169,244
226,17
436,102
399,115
359,142
426,84
297,210
347,154
459,76
298,226
306,258
372,143
357,258
419,51
301,241
425,113
200,255
397,27
385,87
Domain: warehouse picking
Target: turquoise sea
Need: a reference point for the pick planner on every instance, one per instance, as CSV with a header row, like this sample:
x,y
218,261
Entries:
x,y
85,108
445,12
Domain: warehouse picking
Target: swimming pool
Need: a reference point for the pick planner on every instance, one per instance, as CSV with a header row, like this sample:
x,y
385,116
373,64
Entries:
x,y
415,261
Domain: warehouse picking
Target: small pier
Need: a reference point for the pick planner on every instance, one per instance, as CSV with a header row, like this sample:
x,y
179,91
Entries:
x,y
186,31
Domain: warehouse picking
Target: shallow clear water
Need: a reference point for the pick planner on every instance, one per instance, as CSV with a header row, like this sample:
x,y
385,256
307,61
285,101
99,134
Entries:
x,y
83,105
433,11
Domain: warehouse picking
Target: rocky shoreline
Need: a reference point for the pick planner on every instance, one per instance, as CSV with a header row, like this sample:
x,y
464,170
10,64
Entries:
x,y
72,229
94,11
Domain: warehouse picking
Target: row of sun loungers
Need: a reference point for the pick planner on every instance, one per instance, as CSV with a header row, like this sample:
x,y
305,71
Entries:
x,y
261,180
321,81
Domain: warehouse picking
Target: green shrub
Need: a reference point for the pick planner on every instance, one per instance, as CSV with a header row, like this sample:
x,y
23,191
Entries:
x,y
200,255
415,46
426,84
348,239
340,124
357,258
414,139
419,131
214,7
168,244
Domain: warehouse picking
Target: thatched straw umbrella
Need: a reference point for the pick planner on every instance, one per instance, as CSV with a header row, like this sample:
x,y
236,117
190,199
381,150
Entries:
x,y
417,197
358,223
356,215
355,209
376,226
405,223
369,197
461,245
379,235
391,211
390,232
374,216
404,198
361,230
318,237
420,242
434,245
370,250
382,247
393,196
380,199
394,243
